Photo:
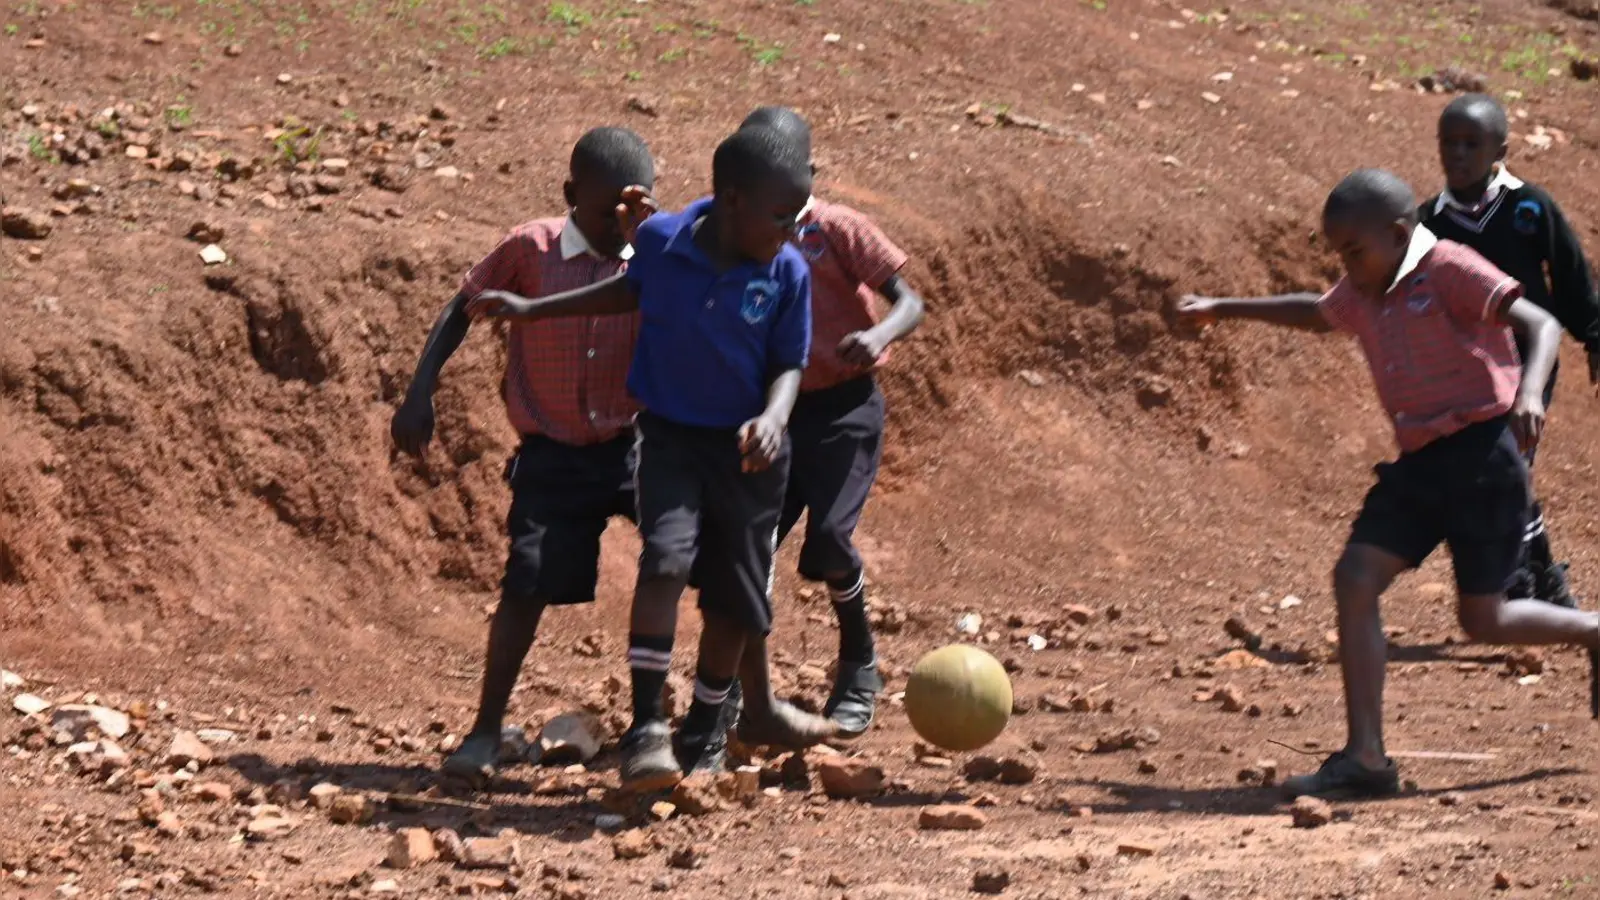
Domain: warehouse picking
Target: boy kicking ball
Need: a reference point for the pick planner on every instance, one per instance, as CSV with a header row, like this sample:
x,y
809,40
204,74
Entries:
x,y
1431,317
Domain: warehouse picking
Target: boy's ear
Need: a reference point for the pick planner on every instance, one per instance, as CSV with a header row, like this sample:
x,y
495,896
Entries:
x,y
569,192
1500,155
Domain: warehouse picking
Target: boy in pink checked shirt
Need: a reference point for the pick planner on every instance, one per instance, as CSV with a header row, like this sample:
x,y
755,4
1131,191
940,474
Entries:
x,y
1431,317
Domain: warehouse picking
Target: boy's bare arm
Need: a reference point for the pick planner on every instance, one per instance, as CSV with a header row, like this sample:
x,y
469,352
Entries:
x,y
863,348
1301,310
1542,335
611,296
412,425
761,438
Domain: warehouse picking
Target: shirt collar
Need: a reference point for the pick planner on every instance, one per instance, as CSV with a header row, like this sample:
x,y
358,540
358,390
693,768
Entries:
x,y
1422,240
574,244
808,209
682,240
1503,180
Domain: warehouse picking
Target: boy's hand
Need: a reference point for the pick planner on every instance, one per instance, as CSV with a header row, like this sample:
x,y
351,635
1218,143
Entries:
x,y
636,206
497,304
1527,421
760,439
862,348
412,425
1201,311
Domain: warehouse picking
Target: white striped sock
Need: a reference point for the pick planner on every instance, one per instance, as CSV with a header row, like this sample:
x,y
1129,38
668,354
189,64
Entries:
x,y
709,695
649,660
850,593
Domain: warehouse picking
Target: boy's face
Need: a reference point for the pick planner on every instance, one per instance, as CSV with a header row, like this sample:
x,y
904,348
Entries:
x,y
1468,151
764,217
1371,252
594,208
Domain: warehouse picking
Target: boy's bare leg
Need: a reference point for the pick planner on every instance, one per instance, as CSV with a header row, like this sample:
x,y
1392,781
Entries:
x,y
1492,619
1361,576
511,634
768,720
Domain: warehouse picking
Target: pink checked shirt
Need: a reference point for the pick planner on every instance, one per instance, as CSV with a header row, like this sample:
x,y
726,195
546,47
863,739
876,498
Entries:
x,y
1437,343
565,378
850,259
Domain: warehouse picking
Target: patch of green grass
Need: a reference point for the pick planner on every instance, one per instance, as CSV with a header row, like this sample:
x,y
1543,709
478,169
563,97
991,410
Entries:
x,y
674,55
1100,6
568,16
500,49
12,29
668,28
767,56
634,75
181,116
40,150
298,144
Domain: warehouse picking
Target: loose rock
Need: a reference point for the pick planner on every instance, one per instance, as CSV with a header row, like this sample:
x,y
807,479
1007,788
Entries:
x,y
449,845
574,737
487,853
24,224
1309,812
76,720
850,778
351,809
631,844
411,847
188,748
990,881
951,817
696,796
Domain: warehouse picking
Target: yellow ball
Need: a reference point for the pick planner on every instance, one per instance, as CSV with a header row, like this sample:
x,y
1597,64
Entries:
x,y
958,698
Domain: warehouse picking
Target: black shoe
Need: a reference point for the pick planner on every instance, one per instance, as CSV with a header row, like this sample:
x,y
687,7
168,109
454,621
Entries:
x,y
1341,775
855,697
707,751
1553,587
475,760
648,763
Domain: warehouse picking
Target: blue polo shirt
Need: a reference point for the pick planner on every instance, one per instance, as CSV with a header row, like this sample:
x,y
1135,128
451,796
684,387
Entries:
x,y
711,342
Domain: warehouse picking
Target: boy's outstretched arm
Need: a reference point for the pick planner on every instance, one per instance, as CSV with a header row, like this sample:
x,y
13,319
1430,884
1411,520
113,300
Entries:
x,y
603,298
1542,334
1301,310
863,348
1576,300
412,425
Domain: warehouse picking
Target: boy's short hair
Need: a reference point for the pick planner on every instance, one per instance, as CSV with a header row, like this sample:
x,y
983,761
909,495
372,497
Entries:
x,y
784,121
615,155
1371,196
1482,109
753,156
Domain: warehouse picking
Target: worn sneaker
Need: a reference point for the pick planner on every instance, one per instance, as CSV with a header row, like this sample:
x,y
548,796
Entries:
x,y
785,726
1552,587
1341,775
855,697
707,751
474,761
648,763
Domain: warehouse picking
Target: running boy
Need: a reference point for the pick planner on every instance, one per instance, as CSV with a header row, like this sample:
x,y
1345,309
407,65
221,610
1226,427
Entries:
x,y
838,422
1516,226
564,394
725,329
1431,317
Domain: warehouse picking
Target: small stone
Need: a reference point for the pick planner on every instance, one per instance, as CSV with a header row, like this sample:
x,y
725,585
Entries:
x,y
1309,812
951,817
167,825
285,78
1525,661
1502,881
268,827
234,50
336,165
487,853
689,856
1078,613
574,737
351,809
696,795
213,255
1134,849
1231,699
449,845
1452,798
11,681
213,792
1148,766
187,747
411,847
25,225
77,719
441,113
850,778
990,881
322,795
609,821
631,844
137,151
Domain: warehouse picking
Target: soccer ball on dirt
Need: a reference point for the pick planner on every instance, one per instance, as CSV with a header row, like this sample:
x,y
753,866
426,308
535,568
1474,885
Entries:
x,y
958,698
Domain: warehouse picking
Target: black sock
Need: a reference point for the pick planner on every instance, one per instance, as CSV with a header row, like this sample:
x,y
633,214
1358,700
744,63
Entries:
x,y
649,659
850,607
710,693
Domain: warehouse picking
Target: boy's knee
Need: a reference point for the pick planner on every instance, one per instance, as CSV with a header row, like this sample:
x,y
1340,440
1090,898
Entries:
x,y
1479,617
662,563
1355,579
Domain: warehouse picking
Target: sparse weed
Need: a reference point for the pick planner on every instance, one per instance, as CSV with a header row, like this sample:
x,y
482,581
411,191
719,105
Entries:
x,y
298,144
673,55
767,56
180,116
568,16
40,150
501,48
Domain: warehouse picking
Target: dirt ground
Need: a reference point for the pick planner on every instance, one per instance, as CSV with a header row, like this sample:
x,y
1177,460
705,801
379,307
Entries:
x,y
202,522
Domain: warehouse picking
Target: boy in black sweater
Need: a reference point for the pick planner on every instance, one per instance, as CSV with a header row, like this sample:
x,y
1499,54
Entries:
x,y
1519,228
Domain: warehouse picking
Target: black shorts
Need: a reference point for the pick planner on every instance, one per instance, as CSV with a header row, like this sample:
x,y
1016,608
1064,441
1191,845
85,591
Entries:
x,y
562,496
1468,490
838,444
696,504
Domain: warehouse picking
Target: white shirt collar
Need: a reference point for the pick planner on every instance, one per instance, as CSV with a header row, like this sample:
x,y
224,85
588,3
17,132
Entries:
x,y
575,244
1422,240
1503,180
805,211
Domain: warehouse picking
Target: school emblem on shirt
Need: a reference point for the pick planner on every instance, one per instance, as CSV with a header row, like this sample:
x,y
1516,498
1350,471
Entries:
x,y
810,242
760,295
1525,218
1420,304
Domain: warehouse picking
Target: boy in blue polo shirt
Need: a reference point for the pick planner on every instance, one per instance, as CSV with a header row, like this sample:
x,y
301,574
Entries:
x,y
724,332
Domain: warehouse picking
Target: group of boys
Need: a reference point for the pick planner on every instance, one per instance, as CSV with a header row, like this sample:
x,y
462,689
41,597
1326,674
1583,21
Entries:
x,y
709,375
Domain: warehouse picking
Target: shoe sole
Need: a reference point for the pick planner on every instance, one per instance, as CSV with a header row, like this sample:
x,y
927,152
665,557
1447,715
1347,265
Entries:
x,y
649,784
